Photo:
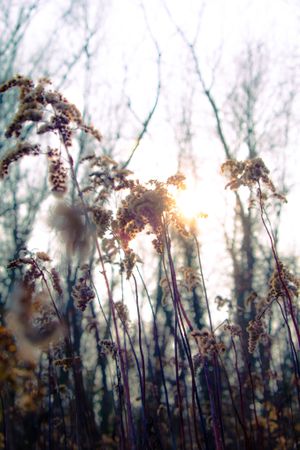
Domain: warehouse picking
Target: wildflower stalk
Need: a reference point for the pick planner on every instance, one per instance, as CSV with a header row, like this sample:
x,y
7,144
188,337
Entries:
x,y
217,375
160,359
292,345
186,396
247,363
123,370
277,262
180,402
242,399
240,420
240,385
203,281
216,365
140,375
215,424
69,350
112,306
61,409
75,368
175,298
140,341
49,292
179,312
294,355
123,440
207,374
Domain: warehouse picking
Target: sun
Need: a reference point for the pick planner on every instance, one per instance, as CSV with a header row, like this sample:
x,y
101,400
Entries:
x,y
189,203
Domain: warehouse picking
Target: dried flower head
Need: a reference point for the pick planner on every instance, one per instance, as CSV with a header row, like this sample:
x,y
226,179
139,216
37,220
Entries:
x,y
43,256
33,102
110,248
33,321
8,355
57,172
177,180
281,280
256,330
222,301
101,217
207,343
143,207
190,278
82,292
198,361
248,173
67,363
166,290
129,262
122,312
56,281
282,285
108,347
32,273
234,330
25,84
106,176
74,233
15,153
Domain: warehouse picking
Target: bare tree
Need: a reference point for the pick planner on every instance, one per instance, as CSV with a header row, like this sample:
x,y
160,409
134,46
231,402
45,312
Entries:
x,y
253,119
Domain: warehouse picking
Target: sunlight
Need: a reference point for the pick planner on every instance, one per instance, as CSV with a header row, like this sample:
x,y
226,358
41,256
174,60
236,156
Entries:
x,y
190,204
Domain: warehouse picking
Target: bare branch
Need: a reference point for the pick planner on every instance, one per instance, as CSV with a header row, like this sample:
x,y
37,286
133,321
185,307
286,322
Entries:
x,y
157,95
206,89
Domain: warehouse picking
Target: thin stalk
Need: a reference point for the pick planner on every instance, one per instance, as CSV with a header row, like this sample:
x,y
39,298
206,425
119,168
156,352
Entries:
x,y
240,421
175,298
140,341
216,366
217,375
240,383
293,353
203,282
247,363
61,410
215,424
156,340
180,403
140,380
117,367
131,428
179,311
187,408
123,369
277,262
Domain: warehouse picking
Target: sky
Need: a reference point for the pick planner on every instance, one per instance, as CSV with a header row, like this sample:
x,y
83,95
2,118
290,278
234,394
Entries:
x,y
123,70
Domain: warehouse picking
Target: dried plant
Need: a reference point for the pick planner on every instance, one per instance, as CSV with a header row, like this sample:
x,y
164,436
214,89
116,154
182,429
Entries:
x,y
96,356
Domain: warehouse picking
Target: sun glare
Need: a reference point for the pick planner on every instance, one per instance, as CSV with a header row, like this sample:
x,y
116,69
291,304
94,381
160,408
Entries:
x,y
189,204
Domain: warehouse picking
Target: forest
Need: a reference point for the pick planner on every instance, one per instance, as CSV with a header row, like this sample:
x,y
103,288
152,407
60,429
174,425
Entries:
x,y
149,245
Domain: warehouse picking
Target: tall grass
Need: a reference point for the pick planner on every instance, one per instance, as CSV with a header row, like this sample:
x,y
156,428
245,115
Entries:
x,y
76,372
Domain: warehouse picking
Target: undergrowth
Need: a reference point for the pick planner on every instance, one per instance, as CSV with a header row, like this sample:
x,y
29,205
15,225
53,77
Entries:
x,y
76,372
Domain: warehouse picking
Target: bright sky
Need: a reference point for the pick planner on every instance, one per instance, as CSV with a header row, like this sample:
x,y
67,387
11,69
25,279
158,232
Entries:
x,y
124,67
